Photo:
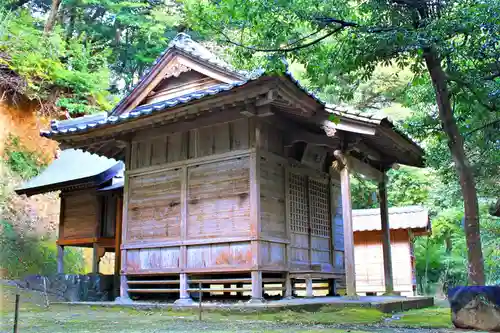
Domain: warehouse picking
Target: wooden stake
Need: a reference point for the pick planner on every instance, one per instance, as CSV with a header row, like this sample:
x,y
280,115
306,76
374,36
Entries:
x,y
199,301
16,315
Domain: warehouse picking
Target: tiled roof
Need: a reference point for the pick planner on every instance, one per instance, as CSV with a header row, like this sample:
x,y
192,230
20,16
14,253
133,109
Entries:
x,y
184,43
351,113
409,217
72,168
83,124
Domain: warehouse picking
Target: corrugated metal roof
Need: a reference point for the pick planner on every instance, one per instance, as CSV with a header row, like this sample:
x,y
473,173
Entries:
x,y
409,217
72,168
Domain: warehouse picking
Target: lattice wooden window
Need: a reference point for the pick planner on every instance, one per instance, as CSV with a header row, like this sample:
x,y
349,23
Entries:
x,y
319,202
298,203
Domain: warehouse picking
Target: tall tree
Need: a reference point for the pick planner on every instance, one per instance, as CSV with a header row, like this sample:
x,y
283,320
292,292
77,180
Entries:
x,y
448,41
51,20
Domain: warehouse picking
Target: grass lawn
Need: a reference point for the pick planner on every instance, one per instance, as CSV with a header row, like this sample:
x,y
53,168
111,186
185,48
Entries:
x,y
59,318
430,318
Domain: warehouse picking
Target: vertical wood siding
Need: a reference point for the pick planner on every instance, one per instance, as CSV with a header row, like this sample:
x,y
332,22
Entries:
x,y
272,198
338,227
153,260
230,255
370,262
200,142
80,215
273,255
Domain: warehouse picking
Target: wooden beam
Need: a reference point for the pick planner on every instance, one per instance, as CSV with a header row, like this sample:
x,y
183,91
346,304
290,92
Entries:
x,y
178,114
297,133
123,277
365,169
60,259
256,287
77,241
345,185
118,243
309,287
386,236
345,124
363,148
95,259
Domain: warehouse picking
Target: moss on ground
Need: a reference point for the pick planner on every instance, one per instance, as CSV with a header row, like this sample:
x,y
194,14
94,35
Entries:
x,y
428,318
59,318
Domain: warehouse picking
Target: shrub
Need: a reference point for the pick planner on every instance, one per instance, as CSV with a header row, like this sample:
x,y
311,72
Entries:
x,y
25,163
23,254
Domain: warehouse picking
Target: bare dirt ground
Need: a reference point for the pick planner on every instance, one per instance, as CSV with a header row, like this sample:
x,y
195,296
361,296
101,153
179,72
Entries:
x,y
61,318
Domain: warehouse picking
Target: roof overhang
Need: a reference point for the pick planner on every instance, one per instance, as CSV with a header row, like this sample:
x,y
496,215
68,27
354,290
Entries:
x,y
73,170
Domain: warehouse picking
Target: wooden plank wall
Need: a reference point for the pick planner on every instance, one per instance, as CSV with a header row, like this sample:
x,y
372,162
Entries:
x,y
272,196
167,147
370,262
218,199
80,215
154,206
271,139
228,256
295,210
338,227
189,201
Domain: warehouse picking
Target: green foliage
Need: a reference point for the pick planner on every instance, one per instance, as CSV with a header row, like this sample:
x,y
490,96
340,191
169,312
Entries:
x,y
25,163
23,254
54,67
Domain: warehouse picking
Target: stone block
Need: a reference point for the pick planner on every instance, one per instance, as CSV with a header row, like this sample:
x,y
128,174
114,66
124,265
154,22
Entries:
x,y
74,288
475,307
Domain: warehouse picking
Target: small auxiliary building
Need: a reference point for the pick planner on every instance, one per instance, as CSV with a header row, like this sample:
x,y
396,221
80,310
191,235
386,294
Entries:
x,y
405,224
236,180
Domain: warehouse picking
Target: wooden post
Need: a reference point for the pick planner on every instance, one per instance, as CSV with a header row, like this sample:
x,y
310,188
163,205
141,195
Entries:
x,y
118,244
95,259
309,287
60,259
345,185
386,236
184,297
256,287
200,301
16,314
332,287
239,293
124,296
288,286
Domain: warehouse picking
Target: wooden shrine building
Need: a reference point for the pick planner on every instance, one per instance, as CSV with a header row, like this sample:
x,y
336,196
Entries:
x,y
91,202
235,179
405,224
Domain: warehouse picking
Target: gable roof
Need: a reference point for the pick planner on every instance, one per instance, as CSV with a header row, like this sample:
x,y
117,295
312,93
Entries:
x,y
181,45
73,169
409,217
273,89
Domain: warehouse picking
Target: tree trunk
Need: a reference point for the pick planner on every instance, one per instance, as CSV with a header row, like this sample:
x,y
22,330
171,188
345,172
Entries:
x,y
462,166
51,20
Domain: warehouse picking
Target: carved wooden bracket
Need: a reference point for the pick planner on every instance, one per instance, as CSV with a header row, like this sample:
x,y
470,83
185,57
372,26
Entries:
x,y
176,69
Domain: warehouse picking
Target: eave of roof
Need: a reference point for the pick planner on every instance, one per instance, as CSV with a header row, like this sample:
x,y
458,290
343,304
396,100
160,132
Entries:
x,y
86,124
74,169
408,217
